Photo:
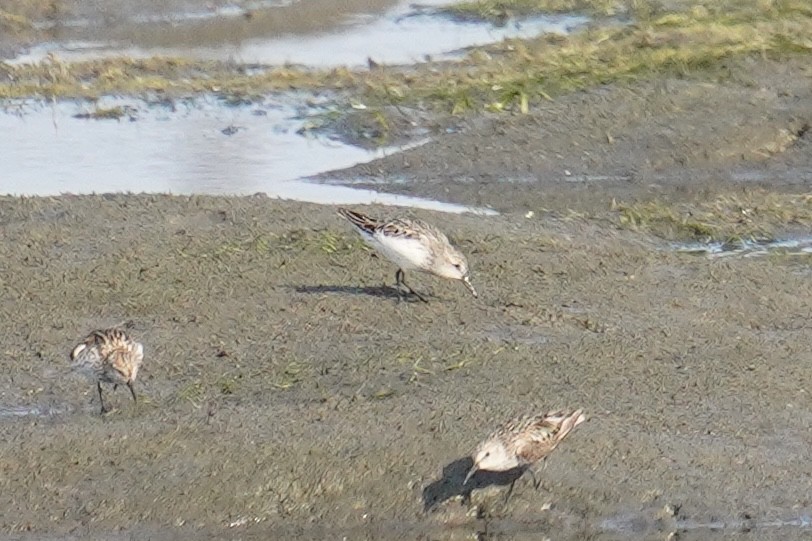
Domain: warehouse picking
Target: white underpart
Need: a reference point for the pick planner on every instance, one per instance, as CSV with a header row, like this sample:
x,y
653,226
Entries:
x,y
404,252
139,358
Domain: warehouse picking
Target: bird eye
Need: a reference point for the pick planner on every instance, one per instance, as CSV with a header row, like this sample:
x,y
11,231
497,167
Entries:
x,y
487,454
457,266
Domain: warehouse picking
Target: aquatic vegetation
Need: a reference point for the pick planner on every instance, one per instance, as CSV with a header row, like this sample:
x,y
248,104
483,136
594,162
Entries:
x,y
751,214
514,75
497,10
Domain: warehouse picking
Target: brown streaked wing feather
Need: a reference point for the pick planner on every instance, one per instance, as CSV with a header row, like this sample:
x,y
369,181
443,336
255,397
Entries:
x,y
541,434
359,220
99,338
399,229
107,343
412,229
114,338
121,361
537,441
100,335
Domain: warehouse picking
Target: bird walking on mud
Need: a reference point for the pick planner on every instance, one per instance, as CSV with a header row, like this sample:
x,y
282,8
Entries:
x,y
522,442
412,245
109,356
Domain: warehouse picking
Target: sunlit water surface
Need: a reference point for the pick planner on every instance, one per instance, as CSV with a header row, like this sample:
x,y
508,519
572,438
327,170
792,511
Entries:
x,y
198,146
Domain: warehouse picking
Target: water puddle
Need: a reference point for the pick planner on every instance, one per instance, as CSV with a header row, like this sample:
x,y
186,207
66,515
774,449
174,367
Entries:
x,y
625,526
253,528
289,32
746,524
198,146
180,14
748,248
205,146
16,412
636,524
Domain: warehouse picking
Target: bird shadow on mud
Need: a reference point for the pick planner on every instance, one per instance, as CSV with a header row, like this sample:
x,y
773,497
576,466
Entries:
x,y
386,292
450,485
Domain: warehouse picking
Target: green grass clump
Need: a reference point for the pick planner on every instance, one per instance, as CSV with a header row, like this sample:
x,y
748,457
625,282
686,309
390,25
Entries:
x,y
109,113
755,214
166,76
516,74
497,10
689,39
327,241
289,376
666,221
12,22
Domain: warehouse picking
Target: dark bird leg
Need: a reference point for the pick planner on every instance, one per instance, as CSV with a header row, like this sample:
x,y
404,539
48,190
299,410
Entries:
x,y
536,481
400,278
101,398
132,391
510,491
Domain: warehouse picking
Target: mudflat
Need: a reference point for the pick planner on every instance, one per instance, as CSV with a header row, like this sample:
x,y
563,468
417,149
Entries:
x,y
285,387
286,391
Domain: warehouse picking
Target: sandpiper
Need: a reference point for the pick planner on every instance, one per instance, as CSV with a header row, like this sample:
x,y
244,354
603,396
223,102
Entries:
x,y
412,245
522,442
109,356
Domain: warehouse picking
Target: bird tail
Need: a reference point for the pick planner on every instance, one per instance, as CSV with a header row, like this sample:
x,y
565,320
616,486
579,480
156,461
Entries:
x,y
566,421
361,221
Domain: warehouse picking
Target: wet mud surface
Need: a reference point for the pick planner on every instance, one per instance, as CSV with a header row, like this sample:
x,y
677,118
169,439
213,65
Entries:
x,y
674,138
285,391
284,384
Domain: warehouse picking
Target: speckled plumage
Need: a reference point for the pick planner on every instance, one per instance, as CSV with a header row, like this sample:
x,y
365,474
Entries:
x,y
412,245
524,441
108,356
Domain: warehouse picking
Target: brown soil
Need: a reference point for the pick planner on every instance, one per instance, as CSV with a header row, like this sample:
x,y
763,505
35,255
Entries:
x,y
286,393
666,138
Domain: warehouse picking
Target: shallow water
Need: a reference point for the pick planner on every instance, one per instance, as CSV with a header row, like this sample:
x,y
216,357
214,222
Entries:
x,y
629,526
399,34
205,146
197,146
749,248
16,412
638,524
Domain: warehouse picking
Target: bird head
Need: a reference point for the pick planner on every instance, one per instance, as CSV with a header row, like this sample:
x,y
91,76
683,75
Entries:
x,y
455,267
492,455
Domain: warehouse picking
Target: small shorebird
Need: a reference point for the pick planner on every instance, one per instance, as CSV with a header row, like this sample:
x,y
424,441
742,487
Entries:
x,y
412,245
522,442
109,356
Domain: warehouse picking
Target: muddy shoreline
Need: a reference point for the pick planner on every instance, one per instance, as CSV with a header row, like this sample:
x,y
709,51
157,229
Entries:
x,y
274,351
674,139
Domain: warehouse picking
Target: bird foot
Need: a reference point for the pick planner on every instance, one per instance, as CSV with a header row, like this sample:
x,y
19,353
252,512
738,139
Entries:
x,y
400,284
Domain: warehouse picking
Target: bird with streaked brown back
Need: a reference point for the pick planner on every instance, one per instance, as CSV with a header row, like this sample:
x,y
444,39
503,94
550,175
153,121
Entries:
x,y
108,356
524,441
412,244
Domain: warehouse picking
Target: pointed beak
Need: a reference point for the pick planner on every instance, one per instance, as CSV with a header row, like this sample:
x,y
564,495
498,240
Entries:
x,y
467,281
471,473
